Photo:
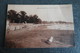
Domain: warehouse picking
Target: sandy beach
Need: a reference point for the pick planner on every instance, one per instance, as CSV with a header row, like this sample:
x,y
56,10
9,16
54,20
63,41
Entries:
x,y
36,38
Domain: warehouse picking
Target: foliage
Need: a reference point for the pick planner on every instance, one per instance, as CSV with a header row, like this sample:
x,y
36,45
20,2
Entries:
x,y
22,17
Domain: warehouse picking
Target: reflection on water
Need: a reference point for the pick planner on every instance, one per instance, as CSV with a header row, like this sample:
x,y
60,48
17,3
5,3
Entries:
x,y
61,26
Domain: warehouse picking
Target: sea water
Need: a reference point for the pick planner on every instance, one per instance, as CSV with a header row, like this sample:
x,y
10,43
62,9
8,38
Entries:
x,y
61,26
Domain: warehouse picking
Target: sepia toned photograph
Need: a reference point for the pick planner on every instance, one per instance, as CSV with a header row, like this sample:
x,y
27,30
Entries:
x,y
39,26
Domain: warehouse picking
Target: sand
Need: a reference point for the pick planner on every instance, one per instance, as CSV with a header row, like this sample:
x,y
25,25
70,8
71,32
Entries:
x,y
37,38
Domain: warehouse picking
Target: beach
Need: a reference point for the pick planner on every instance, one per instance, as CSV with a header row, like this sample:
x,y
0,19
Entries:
x,y
36,37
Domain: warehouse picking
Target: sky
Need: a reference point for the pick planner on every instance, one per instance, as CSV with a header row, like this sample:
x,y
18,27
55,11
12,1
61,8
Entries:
x,y
46,12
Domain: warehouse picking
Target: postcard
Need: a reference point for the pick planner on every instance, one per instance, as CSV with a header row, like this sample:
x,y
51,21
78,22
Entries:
x,y
39,26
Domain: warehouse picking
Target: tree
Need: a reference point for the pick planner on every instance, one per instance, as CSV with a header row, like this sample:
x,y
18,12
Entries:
x,y
23,16
12,15
36,19
30,20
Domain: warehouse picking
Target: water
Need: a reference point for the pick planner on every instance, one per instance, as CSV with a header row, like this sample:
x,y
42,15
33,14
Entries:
x,y
48,26
61,26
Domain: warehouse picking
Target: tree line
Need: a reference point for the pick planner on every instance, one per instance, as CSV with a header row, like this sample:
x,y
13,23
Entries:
x,y
22,17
